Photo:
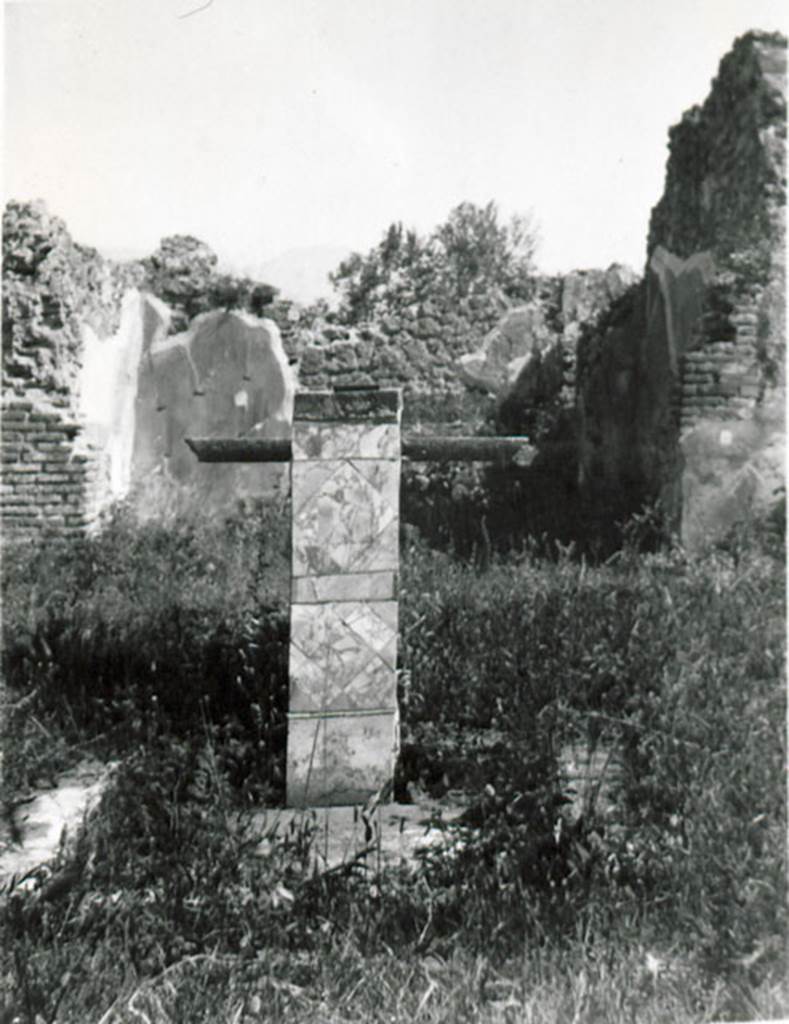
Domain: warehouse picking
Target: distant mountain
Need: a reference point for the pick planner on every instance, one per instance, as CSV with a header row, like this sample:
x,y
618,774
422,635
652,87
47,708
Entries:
x,y
302,274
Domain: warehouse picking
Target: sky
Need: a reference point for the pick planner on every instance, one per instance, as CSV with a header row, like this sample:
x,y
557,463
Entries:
x,y
286,132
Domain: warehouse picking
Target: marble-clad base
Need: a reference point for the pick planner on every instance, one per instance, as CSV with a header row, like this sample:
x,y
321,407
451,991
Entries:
x,y
344,759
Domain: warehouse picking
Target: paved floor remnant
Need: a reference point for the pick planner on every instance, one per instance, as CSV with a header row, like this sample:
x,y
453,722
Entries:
x,y
39,823
390,835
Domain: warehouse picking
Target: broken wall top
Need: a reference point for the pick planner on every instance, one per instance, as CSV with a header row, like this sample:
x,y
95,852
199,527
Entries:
x,y
51,288
725,186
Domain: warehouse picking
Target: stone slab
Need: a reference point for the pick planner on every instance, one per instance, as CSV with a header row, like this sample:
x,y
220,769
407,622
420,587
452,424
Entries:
x,y
354,586
50,815
368,405
339,760
345,516
343,835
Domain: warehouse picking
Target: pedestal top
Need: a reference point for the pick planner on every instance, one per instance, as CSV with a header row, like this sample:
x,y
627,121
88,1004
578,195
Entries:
x,y
356,405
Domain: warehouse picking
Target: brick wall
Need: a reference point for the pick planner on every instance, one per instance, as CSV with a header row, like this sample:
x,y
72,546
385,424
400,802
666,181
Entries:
x,y
51,482
723,380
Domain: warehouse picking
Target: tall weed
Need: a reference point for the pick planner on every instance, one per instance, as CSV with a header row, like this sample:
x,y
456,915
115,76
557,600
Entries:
x,y
144,629
676,665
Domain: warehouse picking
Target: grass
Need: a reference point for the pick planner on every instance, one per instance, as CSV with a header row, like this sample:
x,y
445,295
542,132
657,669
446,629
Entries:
x,y
666,905
147,631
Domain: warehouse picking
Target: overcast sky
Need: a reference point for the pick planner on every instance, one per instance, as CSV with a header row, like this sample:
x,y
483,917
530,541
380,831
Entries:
x,y
263,126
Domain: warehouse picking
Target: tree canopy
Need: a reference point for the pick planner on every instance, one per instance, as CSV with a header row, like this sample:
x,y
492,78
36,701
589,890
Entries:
x,y
470,253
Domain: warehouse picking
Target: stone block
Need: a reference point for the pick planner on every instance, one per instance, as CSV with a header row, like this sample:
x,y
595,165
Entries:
x,y
336,760
48,436
22,520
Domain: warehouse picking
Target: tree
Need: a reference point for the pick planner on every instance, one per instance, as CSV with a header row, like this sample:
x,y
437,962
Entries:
x,y
471,252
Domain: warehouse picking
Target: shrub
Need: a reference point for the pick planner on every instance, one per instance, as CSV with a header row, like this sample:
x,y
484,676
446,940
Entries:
x,y
470,254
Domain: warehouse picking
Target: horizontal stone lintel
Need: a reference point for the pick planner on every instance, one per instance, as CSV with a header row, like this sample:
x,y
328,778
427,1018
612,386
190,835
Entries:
x,y
354,586
419,448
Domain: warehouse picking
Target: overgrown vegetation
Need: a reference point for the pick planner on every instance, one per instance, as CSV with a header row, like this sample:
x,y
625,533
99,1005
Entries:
x,y
144,631
665,901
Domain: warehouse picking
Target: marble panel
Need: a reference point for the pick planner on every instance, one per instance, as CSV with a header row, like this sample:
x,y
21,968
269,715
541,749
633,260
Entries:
x,y
356,586
344,440
381,553
307,481
343,655
381,475
341,521
339,759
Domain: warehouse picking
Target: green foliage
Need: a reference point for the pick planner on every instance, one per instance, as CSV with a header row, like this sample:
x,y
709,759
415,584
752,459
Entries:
x,y
674,664
144,629
474,247
161,871
474,509
658,903
471,253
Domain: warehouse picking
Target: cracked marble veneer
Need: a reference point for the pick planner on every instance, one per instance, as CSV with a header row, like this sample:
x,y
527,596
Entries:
x,y
345,440
339,760
343,656
343,720
345,516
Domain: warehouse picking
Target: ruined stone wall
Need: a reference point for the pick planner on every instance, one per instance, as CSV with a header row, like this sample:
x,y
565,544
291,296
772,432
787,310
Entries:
x,y
98,395
528,361
681,389
415,346
54,478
